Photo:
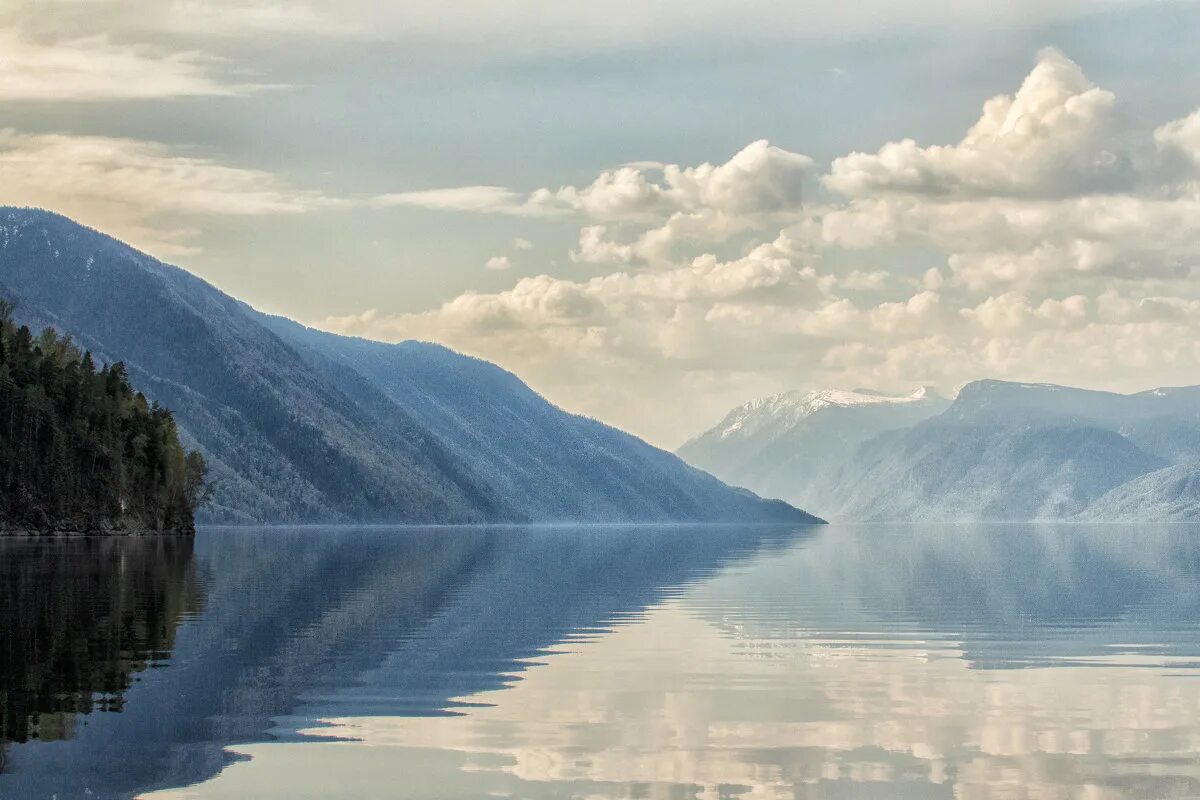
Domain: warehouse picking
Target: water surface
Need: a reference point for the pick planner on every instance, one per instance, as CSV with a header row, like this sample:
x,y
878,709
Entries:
x,y
1004,661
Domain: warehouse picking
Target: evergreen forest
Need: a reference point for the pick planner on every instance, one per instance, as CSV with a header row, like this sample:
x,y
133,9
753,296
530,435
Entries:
x,y
80,450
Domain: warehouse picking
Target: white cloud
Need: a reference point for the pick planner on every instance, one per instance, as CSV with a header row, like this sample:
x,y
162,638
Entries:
x,y
595,249
1030,251
1031,243
1178,145
126,186
476,199
498,263
759,179
94,68
1056,136
520,243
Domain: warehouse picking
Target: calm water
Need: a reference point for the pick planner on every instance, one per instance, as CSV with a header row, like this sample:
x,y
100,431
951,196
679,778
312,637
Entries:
x,y
833,662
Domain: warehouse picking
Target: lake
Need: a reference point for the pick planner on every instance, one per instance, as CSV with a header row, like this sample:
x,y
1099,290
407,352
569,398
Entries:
x,y
899,661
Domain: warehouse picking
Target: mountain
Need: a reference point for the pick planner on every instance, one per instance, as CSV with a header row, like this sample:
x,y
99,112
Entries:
x,y
785,445
1017,451
297,425
1171,494
519,444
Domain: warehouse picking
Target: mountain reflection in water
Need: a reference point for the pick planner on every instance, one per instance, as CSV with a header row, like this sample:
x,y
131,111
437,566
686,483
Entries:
x,y
831,662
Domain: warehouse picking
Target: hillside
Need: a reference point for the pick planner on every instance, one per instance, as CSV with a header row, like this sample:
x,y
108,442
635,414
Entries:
x,y
1000,451
785,445
1171,494
947,472
301,426
1013,451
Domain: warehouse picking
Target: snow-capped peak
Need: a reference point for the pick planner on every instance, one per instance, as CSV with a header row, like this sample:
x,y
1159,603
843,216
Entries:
x,y
787,409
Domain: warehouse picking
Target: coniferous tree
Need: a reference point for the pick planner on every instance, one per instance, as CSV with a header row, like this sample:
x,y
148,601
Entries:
x,y
80,450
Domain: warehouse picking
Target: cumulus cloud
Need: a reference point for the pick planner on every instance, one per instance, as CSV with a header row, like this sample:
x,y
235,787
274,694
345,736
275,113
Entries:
x,y
1056,136
498,263
1178,145
759,179
94,68
595,249
125,186
1049,244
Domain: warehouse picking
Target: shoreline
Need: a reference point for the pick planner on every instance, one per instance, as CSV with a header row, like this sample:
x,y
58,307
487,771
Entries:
x,y
95,532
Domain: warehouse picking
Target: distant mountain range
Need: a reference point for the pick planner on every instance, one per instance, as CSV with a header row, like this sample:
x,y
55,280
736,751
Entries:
x,y
999,451
790,442
301,425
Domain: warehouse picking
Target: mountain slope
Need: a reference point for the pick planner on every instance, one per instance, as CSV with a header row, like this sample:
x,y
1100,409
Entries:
x,y
939,470
1171,494
281,442
514,438
784,445
293,430
1010,451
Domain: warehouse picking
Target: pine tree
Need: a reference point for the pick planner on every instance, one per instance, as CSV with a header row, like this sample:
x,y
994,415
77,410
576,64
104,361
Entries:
x,y
80,449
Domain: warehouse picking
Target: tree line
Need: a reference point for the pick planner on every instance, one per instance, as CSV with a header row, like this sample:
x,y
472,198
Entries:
x,y
80,449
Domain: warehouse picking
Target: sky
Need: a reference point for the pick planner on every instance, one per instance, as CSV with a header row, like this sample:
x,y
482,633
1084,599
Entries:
x,y
650,211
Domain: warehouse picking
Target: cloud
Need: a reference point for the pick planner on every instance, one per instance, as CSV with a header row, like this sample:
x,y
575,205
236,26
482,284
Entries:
x,y
475,199
520,243
759,179
1178,146
595,249
1032,243
1051,243
127,186
94,68
1056,136
498,263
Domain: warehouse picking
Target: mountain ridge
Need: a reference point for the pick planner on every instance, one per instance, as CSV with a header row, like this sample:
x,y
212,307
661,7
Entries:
x,y
1013,451
293,431
784,444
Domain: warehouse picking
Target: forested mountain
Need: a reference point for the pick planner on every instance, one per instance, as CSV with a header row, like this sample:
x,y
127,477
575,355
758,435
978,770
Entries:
x,y
80,450
787,444
517,442
1015,451
300,426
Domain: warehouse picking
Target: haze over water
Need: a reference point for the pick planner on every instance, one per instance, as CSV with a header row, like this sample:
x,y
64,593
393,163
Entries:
x,y
1002,661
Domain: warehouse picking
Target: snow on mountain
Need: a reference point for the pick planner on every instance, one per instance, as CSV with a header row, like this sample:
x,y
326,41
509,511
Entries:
x,y
786,443
1001,451
785,410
